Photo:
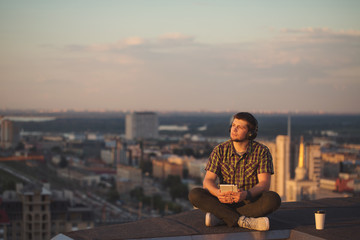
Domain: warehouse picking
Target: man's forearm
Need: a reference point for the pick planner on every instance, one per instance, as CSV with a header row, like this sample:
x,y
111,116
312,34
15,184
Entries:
x,y
210,186
258,189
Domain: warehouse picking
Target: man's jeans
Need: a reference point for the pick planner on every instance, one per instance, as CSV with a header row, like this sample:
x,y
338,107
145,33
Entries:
x,y
260,206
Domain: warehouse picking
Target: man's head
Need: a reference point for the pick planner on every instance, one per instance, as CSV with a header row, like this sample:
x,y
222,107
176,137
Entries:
x,y
244,126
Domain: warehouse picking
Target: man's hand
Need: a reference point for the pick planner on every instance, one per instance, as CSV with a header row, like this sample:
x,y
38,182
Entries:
x,y
225,197
239,196
236,196
231,197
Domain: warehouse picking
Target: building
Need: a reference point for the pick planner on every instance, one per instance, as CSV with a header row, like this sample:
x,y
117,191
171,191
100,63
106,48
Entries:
x,y
9,134
108,156
280,151
4,223
128,154
36,213
141,125
167,165
127,178
313,158
197,168
301,188
121,153
348,182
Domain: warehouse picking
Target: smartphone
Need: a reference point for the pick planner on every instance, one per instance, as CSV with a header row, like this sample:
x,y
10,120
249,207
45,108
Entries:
x,y
228,187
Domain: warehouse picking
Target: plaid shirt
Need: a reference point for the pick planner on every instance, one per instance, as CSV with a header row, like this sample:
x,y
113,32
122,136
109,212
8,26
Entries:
x,y
232,168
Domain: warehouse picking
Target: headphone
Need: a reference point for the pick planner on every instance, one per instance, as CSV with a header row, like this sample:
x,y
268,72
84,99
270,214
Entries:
x,y
252,133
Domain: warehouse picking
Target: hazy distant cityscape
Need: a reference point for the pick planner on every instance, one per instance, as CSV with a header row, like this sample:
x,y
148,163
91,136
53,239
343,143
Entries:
x,y
109,109
67,171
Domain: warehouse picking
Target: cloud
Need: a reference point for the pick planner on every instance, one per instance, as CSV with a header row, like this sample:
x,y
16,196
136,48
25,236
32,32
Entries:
x,y
322,31
176,36
119,45
163,41
311,34
175,71
133,41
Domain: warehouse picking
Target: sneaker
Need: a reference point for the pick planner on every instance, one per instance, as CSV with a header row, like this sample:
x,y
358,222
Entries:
x,y
259,224
211,220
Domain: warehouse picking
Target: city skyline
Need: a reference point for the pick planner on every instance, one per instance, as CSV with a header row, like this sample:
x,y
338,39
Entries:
x,y
276,56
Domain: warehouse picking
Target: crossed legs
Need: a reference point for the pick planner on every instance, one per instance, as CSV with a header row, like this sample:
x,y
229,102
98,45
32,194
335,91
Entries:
x,y
261,206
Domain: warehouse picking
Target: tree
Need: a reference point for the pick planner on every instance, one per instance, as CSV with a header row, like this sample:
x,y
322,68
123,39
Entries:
x,y
63,162
159,204
172,180
146,167
56,150
179,191
177,188
113,195
20,146
137,193
185,173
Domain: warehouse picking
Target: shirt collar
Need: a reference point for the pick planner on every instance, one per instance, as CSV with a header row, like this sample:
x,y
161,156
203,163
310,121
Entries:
x,y
249,148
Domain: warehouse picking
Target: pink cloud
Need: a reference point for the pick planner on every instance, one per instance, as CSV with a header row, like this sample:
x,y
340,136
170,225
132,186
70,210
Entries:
x,y
175,36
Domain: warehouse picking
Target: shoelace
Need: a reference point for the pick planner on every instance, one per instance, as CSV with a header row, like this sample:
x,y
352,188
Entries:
x,y
247,222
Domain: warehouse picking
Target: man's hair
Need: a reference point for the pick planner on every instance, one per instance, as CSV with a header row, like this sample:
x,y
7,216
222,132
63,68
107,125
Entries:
x,y
252,123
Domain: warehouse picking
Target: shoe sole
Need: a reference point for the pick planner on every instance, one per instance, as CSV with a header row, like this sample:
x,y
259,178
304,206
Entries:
x,y
207,220
267,224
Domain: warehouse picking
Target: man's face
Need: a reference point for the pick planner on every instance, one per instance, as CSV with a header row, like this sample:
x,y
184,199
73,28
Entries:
x,y
239,129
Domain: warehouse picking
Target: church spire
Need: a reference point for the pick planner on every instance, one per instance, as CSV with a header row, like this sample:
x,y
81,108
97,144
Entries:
x,y
301,152
300,171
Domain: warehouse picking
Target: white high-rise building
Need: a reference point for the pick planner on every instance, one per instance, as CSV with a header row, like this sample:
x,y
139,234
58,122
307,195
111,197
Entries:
x,y
280,151
313,157
282,164
141,125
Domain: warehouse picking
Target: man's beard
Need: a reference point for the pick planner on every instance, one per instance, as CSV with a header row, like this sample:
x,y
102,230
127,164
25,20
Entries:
x,y
238,140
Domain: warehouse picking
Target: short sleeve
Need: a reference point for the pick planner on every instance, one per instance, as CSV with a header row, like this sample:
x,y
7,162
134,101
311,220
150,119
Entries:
x,y
266,162
213,162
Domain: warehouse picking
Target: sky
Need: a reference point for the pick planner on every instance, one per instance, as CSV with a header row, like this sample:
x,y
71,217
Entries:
x,y
164,55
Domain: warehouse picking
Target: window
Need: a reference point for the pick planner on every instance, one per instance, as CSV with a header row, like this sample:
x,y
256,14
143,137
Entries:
x,y
74,227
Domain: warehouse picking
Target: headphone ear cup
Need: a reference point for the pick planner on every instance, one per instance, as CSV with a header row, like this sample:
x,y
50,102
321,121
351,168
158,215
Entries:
x,y
251,135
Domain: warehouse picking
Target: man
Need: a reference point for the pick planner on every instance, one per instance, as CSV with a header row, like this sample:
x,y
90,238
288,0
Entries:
x,y
248,165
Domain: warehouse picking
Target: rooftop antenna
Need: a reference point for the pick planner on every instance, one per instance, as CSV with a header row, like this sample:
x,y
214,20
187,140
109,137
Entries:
x,y
289,126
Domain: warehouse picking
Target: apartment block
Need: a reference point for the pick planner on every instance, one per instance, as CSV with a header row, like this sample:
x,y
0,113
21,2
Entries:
x,y
127,178
36,213
141,125
162,168
9,133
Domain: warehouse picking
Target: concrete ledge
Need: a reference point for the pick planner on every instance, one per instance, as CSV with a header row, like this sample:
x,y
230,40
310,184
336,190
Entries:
x,y
61,237
269,235
296,235
294,220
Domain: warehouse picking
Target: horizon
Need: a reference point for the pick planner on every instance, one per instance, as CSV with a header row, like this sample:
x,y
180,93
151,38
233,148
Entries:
x,y
181,56
114,111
